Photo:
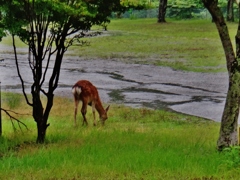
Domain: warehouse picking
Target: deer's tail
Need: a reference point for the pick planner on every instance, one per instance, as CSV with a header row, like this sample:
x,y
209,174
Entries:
x,y
76,90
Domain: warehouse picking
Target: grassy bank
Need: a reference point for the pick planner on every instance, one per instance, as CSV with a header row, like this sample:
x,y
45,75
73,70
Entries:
x,y
134,144
191,45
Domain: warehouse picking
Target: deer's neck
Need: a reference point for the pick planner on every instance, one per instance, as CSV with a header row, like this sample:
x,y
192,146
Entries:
x,y
99,107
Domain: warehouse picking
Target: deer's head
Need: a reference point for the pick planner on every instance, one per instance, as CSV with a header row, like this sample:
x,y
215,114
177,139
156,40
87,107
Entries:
x,y
104,116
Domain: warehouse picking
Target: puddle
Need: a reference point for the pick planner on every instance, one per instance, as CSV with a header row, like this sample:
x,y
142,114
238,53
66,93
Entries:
x,y
199,94
116,96
118,77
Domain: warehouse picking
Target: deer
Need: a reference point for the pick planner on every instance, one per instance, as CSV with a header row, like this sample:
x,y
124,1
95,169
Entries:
x,y
86,92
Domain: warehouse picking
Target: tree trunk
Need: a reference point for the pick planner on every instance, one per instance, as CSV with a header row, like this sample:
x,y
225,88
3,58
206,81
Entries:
x,y
229,124
162,11
40,116
230,14
41,129
41,120
228,135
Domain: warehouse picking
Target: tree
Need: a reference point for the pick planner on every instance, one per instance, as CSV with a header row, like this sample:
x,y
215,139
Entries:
x,y
1,25
230,14
229,123
186,9
162,11
49,28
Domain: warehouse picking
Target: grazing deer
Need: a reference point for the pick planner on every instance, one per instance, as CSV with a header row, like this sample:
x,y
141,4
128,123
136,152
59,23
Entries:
x,y
86,92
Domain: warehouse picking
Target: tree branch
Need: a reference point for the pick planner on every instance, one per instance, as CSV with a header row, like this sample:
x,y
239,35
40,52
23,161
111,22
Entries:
x,y
18,71
13,118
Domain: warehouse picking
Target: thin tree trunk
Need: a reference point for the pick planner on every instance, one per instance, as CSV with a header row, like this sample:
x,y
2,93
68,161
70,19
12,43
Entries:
x,y
38,115
41,119
162,11
41,129
228,135
230,14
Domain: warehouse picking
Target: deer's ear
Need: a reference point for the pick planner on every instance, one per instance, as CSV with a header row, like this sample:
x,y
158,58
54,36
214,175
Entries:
x,y
107,108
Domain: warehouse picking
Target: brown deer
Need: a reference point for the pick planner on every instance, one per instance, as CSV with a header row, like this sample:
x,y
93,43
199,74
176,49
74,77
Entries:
x,y
86,92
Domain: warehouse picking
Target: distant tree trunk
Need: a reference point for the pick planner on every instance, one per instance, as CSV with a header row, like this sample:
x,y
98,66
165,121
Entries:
x,y
162,11
230,14
229,124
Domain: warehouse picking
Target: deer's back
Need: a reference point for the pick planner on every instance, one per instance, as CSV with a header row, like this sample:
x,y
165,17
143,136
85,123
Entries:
x,y
88,90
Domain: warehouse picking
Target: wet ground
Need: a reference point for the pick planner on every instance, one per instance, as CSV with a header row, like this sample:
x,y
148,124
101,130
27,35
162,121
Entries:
x,y
199,94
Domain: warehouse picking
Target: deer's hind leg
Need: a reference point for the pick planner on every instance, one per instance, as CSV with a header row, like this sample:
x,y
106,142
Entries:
x,y
76,109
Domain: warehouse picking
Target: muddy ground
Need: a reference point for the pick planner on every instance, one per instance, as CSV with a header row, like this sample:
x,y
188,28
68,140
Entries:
x,y
136,85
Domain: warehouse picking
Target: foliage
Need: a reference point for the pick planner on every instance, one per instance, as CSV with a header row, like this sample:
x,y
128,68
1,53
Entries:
x,y
222,3
187,3
183,9
135,3
184,4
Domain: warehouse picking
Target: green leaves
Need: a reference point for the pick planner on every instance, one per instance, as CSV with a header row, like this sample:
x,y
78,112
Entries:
x,y
78,14
183,4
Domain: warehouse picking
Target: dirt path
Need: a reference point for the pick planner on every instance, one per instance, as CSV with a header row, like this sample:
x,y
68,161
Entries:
x,y
199,94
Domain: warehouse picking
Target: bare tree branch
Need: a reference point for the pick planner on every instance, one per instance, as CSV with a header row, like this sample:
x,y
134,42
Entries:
x,y
18,71
13,118
46,68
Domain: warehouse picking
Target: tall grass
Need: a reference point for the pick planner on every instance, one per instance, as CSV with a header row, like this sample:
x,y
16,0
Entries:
x,y
11,100
134,144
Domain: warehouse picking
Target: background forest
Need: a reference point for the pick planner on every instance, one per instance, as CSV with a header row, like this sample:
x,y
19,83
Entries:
x,y
178,9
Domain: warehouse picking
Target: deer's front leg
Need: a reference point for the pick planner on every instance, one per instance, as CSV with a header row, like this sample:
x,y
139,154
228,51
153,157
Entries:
x,y
84,112
94,116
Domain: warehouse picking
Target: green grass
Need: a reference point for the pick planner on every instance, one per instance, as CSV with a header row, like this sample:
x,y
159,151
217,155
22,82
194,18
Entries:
x,y
134,144
190,45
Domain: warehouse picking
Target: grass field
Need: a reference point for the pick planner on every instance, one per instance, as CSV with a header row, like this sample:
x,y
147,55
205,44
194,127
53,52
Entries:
x,y
134,144
190,45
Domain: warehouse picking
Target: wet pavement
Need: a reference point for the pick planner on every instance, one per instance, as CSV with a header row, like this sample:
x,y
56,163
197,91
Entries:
x,y
199,94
